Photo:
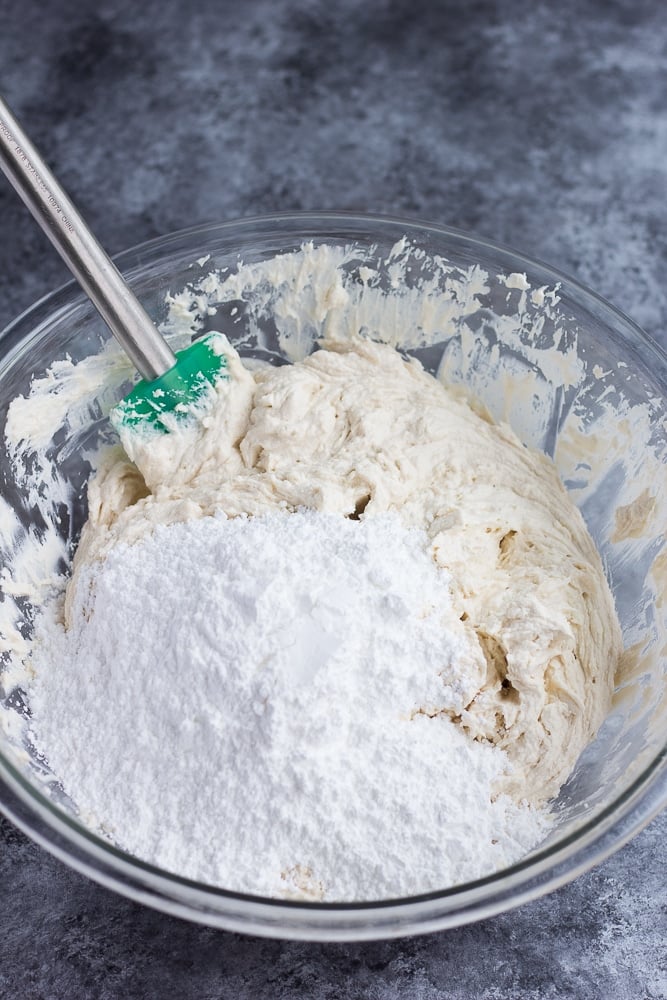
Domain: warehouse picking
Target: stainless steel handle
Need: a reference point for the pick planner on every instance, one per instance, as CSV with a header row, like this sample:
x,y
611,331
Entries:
x,y
91,266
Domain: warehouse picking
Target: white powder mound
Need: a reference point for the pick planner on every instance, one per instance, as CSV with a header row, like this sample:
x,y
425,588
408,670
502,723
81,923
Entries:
x,y
256,703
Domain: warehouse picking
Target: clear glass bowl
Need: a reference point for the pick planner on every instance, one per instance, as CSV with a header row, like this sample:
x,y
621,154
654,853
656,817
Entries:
x,y
570,373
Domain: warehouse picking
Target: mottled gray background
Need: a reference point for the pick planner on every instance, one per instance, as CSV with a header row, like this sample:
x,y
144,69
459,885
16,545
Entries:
x,y
539,124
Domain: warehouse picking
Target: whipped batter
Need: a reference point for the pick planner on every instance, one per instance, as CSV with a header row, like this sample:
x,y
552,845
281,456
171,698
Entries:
x,y
356,430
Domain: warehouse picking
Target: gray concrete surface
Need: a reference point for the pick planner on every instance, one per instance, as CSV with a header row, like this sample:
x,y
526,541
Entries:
x,y
539,124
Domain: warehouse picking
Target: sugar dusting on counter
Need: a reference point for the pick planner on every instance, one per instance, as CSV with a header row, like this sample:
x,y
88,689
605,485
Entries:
x,y
277,678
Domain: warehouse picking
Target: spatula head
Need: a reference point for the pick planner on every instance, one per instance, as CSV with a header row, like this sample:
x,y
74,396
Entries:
x,y
181,392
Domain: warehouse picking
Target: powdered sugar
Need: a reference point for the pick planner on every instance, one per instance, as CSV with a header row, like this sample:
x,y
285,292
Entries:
x,y
266,704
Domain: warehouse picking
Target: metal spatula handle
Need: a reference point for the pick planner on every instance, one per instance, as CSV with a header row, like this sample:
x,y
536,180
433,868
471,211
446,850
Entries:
x,y
96,273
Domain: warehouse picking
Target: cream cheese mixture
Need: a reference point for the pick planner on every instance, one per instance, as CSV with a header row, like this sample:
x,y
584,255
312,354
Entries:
x,y
356,430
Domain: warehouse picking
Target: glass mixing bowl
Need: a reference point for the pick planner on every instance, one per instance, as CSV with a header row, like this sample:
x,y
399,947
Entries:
x,y
570,373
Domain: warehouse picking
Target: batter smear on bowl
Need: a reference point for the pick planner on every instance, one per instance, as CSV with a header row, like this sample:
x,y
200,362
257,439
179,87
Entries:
x,y
343,639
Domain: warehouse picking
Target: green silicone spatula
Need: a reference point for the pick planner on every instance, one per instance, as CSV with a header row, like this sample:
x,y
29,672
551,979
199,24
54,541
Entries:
x,y
171,384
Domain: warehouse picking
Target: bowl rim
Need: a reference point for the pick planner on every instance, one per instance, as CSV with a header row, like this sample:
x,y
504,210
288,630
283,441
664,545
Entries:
x,y
539,872
252,221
